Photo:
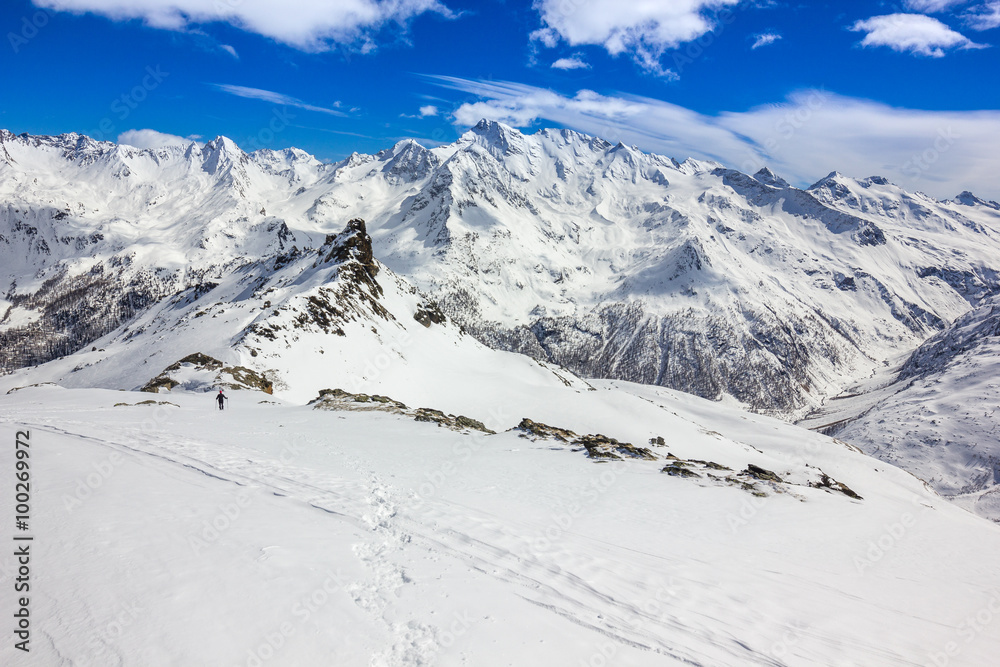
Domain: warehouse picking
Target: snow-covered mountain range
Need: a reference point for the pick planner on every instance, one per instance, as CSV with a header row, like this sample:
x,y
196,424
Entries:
x,y
608,261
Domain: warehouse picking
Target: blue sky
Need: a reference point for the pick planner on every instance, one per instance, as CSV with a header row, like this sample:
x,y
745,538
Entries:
x,y
908,90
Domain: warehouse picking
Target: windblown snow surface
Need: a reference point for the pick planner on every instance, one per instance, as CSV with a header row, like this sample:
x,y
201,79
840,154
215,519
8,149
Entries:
x,y
275,533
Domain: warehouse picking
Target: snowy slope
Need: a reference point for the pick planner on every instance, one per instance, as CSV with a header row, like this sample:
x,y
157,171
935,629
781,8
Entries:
x,y
280,534
938,415
603,259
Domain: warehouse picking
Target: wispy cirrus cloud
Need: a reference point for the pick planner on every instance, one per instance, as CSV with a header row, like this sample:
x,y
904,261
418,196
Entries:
x,y
932,6
983,17
642,30
275,98
803,137
912,33
764,38
309,25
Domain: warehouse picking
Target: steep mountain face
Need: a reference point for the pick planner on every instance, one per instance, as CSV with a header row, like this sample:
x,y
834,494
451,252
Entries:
x,y
937,415
605,260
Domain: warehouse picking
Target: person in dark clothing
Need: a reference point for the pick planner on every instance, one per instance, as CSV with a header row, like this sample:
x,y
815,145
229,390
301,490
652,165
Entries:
x,y
221,398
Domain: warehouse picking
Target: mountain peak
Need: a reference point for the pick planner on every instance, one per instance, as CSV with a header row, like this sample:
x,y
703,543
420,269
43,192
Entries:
x,y
221,143
486,126
874,180
408,145
407,161
834,178
500,139
352,249
768,177
966,198
222,153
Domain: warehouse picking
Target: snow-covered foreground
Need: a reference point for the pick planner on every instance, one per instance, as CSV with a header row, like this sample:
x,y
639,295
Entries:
x,y
278,534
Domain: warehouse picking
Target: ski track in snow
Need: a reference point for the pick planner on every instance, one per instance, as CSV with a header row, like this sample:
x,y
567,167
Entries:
x,y
577,601
399,529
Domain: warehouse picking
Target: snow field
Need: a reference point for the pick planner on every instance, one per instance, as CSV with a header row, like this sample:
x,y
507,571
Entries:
x,y
277,534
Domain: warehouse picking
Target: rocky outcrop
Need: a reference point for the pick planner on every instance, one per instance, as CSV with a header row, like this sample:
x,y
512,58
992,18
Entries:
x,y
338,399
200,372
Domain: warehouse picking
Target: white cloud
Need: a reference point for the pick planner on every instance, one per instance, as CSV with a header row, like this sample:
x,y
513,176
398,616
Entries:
x,y
275,98
576,62
984,17
230,50
913,33
644,30
546,36
429,110
152,139
310,25
803,138
764,39
932,6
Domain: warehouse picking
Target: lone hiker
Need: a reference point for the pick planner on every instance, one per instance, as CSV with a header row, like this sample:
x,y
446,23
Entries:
x,y
221,398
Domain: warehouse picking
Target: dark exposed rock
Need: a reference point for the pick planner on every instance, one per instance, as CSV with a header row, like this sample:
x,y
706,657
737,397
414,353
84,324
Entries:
x,y
225,377
845,283
457,423
712,465
602,447
157,383
762,474
429,313
197,359
330,398
679,469
353,243
540,430
322,311
245,378
338,399
966,198
827,482
768,177
598,446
